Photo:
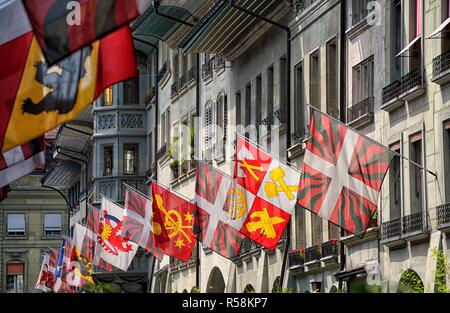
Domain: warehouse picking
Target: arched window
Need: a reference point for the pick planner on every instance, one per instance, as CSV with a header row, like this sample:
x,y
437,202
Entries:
x,y
410,282
249,289
14,277
276,287
216,283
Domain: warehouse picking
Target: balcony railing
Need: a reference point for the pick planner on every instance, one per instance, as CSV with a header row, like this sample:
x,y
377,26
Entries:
x,y
162,151
360,109
391,229
295,258
163,70
441,64
219,62
182,82
413,223
411,80
330,249
443,215
207,69
312,254
298,136
391,91
248,245
174,89
176,263
192,74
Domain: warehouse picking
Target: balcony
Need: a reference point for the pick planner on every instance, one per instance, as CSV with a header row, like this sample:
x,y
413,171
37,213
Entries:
x,y
207,70
361,114
163,71
441,69
312,255
295,259
408,88
182,82
330,250
192,74
391,233
219,63
415,227
174,90
443,217
161,152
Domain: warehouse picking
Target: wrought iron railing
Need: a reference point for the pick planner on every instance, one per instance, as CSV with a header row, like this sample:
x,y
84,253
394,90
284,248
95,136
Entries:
x,y
411,80
443,214
413,223
219,62
295,258
207,69
441,64
391,91
192,74
330,248
163,70
360,109
162,151
182,82
391,229
312,253
174,89
298,136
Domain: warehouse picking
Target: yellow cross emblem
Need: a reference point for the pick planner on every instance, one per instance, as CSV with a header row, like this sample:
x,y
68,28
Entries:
x,y
251,169
278,185
265,223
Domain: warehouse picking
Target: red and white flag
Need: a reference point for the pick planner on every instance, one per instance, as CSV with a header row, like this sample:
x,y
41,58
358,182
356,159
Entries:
x,y
342,174
138,224
111,246
268,188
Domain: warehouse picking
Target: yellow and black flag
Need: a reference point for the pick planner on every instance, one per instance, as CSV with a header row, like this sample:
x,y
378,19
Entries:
x,y
36,97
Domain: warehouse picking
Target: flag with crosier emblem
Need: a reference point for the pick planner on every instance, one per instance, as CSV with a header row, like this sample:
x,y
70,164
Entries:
x,y
176,216
138,222
213,193
268,188
342,174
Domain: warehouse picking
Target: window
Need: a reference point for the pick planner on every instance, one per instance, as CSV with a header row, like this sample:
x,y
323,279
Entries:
x,y
258,107
108,96
52,224
300,227
362,81
108,160
130,159
248,105
314,84
163,129
395,183
333,231
299,107
332,79
222,124
360,10
209,129
168,126
415,151
270,93
397,38
16,225
238,108
175,66
282,91
316,229
131,91
14,277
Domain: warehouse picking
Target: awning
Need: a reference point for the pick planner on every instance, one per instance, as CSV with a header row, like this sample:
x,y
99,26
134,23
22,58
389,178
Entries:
x,y
224,29
151,27
438,30
62,176
408,47
350,274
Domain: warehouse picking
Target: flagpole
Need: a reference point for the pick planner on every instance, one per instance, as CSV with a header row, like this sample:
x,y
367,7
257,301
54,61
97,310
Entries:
x,y
376,142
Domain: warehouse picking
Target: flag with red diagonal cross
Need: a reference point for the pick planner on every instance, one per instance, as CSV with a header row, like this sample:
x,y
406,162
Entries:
x,y
268,187
342,174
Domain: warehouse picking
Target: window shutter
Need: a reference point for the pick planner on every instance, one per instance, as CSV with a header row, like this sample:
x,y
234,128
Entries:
x,y
52,221
16,222
15,269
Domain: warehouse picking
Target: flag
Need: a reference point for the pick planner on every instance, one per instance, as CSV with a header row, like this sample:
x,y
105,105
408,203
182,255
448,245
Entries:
x,y
137,223
268,188
213,192
111,246
342,174
84,241
176,215
44,281
64,26
57,283
36,97
76,273
21,160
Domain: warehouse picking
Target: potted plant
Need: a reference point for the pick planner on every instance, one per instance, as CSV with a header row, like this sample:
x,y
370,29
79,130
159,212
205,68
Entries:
x,y
318,249
302,255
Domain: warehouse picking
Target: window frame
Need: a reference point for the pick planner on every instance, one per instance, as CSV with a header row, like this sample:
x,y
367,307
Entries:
x,y
8,233
44,230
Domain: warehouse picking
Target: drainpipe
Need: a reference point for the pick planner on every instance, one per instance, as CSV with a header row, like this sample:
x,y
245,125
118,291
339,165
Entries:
x,y
342,105
288,110
197,144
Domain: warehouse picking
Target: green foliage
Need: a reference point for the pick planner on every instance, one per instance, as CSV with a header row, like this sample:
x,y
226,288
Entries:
x,y
195,289
440,276
410,282
98,288
283,290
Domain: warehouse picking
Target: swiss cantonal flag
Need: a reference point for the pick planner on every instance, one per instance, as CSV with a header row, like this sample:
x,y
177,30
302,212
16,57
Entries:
x,y
342,174
268,188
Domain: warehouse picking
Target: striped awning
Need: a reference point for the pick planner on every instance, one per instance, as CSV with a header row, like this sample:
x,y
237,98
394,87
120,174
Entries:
x,y
224,28
150,27
62,176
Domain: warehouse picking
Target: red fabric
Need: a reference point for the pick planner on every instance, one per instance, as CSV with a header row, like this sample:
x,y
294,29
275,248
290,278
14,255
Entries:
x,y
175,210
116,60
418,17
10,76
